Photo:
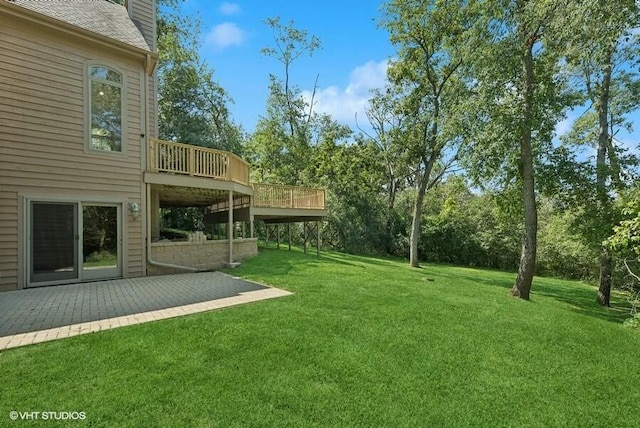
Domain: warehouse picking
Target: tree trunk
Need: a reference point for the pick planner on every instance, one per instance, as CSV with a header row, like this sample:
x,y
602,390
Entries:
x,y
606,267
423,181
602,107
423,185
414,259
390,223
522,286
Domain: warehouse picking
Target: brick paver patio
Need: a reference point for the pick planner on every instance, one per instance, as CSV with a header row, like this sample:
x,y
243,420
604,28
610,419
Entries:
x,y
47,313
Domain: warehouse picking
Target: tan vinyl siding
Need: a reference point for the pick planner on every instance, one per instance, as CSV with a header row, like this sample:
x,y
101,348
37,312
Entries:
x,y
43,152
8,239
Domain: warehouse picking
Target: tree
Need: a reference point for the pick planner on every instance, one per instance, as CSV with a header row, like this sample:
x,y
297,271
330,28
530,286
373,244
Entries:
x,y
626,240
192,105
520,99
280,146
430,37
290,44
603,58
627,232
386,123
353,175
562,249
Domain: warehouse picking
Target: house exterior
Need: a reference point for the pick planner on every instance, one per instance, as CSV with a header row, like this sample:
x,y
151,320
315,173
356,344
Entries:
x,y
82,175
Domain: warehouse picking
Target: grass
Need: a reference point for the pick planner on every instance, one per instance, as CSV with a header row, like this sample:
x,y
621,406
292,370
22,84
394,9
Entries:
x,y
362,342
103,258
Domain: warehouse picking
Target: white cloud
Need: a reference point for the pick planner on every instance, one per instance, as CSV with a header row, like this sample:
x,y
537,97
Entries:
x,y
344,104
564,125
227,8
224,35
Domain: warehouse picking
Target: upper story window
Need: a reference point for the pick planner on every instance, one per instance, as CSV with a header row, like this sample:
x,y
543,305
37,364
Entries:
x,y
105,101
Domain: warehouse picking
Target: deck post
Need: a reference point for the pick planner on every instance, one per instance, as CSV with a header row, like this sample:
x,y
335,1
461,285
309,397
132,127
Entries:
x,y
304,235
289,230
266,226
318,237
192,162
251,230
230,234
278,235
154,208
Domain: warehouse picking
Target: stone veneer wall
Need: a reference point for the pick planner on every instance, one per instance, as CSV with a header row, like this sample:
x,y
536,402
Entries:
x,y
203,255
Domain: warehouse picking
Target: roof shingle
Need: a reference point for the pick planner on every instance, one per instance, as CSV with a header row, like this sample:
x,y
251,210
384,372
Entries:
x,y
99,16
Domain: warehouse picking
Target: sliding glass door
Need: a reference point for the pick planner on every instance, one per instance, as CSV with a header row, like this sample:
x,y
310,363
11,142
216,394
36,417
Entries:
x,y
70,242
54,242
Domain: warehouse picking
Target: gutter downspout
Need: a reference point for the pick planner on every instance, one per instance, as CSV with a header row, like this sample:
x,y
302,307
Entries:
x,y
149,69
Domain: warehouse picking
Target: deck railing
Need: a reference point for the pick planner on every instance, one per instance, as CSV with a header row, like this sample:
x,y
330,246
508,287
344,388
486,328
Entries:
x,y
186,159
278,196
196,161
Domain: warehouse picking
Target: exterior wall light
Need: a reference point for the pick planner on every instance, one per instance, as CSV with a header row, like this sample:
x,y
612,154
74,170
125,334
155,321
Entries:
x,y
134,209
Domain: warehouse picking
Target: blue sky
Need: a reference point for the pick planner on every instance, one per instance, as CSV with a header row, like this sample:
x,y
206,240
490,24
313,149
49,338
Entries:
x,y
351,62
352,59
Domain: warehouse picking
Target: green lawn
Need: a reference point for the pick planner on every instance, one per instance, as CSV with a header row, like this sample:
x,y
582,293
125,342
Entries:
x,y
362,342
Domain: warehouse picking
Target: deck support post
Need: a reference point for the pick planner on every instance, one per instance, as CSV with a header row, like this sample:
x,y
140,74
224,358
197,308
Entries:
x,y
266,226
154,208
278,236
289,230
304,236
310,231
318,238
230,225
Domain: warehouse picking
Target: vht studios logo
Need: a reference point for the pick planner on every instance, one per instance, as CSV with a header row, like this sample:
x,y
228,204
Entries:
x,y
44,416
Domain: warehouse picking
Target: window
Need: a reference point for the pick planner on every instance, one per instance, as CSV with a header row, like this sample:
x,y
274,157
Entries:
x,y
105,100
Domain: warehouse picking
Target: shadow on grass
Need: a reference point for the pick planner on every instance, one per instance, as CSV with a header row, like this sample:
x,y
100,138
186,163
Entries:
x,y
498,278
360,261
330,257
582,299
577,297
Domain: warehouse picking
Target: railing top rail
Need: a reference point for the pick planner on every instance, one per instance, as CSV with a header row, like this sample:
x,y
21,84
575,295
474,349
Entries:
x,y
205,149
288,187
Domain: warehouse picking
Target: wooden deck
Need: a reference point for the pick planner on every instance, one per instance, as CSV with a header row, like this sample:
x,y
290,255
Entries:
x,y
278,196
195,161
